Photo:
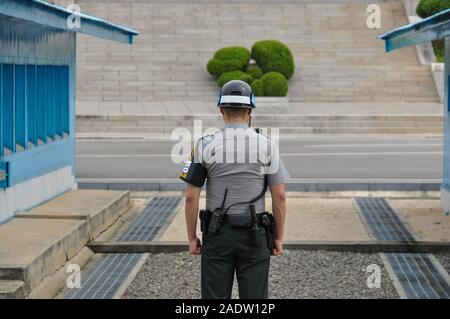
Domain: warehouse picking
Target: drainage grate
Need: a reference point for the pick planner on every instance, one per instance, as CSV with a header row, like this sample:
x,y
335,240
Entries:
x,y
107,274
416,273
382,220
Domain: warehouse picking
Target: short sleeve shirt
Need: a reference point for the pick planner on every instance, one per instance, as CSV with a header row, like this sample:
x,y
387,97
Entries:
x,y
239,159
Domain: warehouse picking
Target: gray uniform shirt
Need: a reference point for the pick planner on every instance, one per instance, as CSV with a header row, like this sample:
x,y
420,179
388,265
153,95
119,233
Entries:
x,y
238,158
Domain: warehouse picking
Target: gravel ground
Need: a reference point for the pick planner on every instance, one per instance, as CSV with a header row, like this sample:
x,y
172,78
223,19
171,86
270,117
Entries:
x,y
297,274
444,259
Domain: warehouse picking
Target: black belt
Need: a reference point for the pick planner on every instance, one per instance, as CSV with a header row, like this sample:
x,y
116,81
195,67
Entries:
x,y
242,220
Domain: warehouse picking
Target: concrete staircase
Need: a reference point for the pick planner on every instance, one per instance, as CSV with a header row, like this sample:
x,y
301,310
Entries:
x,y
37,246
295,124
338,58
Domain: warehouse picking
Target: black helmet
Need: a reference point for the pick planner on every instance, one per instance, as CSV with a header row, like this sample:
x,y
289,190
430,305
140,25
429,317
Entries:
x,y
236,93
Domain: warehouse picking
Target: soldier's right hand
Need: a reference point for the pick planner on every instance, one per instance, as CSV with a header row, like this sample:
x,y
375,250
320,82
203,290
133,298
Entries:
x,y
195,247
278,249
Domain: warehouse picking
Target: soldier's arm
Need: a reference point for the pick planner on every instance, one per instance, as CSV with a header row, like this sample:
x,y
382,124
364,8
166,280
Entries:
x,y
279,208
191,210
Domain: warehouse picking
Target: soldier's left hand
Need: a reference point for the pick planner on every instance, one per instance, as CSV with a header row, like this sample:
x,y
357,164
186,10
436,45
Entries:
x,y
195,247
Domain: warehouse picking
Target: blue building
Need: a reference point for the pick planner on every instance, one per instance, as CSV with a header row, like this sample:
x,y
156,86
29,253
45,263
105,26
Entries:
x,y
432,28
37,99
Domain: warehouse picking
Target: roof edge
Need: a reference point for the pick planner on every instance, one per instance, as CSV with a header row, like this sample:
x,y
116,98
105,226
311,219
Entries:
x,y
428,29
49,14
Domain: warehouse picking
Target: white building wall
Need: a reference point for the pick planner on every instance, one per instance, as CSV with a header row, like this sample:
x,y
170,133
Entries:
x,y
33,192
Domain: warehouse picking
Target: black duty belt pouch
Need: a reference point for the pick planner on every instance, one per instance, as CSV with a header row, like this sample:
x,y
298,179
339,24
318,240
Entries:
x,y
240,220
205,216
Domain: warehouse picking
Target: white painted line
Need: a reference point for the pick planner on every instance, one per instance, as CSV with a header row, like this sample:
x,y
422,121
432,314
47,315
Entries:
x,y
374,145
361,153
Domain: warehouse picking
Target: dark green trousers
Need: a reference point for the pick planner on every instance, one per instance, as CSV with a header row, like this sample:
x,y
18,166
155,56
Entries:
x,y
232,251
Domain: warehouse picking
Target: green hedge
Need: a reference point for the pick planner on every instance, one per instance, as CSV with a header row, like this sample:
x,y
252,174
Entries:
x,y
258,87
272,55
238,53
216,67
427,8
254,71
273,83
234,75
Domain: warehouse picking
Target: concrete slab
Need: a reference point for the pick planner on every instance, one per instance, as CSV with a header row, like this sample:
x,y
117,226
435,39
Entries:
x,y
38,243
31,249
99,207
12,289
425,216
308,219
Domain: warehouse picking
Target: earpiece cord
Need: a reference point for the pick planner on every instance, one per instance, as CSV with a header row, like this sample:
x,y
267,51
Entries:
x,y
261,195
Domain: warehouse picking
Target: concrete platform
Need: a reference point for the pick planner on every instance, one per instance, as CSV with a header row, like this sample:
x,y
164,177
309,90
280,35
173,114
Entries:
x,y
31,249
307,219
40,242
99,208
12,289
425,217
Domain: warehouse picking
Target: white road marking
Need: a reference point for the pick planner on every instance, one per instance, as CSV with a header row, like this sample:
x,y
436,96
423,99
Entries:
x,y
373,145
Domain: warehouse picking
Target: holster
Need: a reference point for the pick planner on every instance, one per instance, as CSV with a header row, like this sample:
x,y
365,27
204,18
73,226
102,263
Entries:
x,y
205,216
268,221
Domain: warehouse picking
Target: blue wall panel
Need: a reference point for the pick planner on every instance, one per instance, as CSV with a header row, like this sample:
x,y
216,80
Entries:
x,y
49,109
8,106
65,99
57,102
40,103
35,103
31,103
40,161
37,98
19,88
1,111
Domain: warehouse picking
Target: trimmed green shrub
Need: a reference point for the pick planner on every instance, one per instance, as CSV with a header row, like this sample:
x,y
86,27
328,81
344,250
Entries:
x,y
238,53
254,71
274,84
258,87
217,67
272,55
427,8
234,75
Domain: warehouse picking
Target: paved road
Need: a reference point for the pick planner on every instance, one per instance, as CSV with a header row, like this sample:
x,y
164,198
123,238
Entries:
x,y
316,158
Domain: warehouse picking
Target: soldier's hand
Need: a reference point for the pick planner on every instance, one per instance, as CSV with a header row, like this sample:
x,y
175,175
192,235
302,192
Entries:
x,y
195,247
278,249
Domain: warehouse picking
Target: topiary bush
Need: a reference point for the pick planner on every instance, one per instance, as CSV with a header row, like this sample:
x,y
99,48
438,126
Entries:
x,y
272,55
234,75
239,53
274,84
258,87
254,71
427,8
268,77
217,67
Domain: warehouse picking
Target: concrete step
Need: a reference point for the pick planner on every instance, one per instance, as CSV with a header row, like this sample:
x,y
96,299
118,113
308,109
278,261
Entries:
x,y
149,131
12,289
168,60
287,123
37,243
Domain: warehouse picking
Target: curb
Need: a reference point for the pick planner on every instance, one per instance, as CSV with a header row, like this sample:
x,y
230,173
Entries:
x,y
290,186
368,247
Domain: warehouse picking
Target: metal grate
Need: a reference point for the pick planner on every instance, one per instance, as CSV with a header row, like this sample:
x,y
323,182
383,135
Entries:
x,y
382,220
416,273
107,274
